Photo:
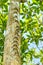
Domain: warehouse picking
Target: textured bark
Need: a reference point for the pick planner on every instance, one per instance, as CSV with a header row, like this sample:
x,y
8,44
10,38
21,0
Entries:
x,y
13,36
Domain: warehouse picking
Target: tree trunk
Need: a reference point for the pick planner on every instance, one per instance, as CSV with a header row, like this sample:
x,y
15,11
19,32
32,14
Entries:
x,y
13,36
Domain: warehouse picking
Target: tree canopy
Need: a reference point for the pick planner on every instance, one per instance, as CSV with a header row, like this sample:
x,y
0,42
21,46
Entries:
x,y
31,23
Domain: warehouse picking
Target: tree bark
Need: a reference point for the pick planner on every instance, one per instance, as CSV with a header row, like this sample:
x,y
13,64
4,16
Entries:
x,y
13,35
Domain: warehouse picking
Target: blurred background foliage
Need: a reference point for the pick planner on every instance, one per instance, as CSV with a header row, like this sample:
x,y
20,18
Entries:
x,y
31,22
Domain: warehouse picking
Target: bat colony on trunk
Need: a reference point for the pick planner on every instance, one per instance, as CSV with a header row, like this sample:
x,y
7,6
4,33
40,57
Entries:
x,y
13,35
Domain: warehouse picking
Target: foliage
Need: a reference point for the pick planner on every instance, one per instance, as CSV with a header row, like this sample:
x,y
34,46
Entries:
x,y
3,20
31,22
